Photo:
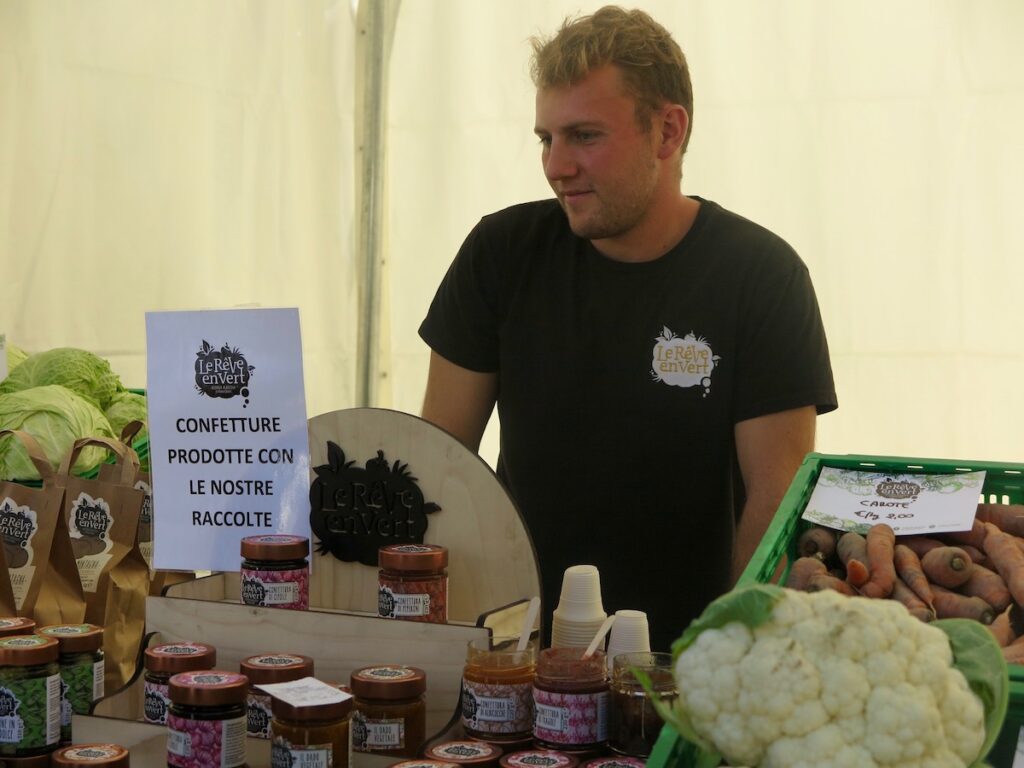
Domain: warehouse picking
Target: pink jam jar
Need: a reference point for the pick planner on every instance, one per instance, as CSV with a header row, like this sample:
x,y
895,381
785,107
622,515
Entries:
x,y
275,571
206,723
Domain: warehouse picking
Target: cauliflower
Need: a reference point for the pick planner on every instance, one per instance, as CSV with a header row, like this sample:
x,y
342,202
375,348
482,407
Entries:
x,y
776,678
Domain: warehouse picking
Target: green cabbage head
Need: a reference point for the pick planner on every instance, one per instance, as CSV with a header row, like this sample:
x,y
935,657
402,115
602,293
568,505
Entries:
x,y
15,356
127,406
79,370
56,417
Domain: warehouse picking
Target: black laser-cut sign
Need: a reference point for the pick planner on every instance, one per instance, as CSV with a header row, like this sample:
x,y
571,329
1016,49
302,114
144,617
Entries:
x,y
354,511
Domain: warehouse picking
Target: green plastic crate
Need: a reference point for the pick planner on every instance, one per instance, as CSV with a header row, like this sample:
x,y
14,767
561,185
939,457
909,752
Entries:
x,y
1004,483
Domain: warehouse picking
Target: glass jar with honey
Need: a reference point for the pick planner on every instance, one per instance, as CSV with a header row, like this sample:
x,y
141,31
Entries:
x,y
634,723
497,689
390,715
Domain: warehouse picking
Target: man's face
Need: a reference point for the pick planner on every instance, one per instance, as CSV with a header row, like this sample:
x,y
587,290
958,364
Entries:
x,y
601,165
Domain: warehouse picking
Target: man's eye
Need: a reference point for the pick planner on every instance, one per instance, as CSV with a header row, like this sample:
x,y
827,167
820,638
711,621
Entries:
x,y
583,137
545,141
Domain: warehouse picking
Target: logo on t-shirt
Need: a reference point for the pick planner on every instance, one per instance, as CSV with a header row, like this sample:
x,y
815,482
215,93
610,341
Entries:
x,y
683,361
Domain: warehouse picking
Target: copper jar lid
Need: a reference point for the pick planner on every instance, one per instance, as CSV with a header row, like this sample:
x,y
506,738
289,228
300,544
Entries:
x,y
413,557
616,761
74,638
109,755
538,758
276,668
28,650
334,710
208,688
422,764
275,546
465,752
16,625
389,681
180,657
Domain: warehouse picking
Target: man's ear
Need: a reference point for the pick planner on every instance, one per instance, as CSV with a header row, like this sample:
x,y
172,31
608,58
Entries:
x,y
674,124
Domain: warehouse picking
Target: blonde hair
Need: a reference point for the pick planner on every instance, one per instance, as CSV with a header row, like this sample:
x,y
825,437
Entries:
x,y
652,63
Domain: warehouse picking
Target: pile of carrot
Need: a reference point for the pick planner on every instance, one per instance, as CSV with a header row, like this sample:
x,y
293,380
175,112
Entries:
x,y
976,574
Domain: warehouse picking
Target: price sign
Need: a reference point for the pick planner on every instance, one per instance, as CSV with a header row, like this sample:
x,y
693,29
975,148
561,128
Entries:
x,y
853,500
228,440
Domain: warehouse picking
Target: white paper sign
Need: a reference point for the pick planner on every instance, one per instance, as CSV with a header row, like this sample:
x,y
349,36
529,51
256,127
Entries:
x,y
227,427
853,500
3,356
306,692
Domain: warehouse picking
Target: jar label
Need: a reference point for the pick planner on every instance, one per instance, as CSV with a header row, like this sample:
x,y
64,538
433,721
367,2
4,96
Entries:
x,y
571,718
497,708
30,711
65,705
276,589
258,716
396,605
205,743
98,674
283,754
80,680
157,701
369,735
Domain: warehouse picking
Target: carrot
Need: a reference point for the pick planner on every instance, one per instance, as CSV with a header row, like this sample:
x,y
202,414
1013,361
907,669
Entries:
x,y
975,537
1007,558
852,546
857,573
1009,518
881,541
826,581
989,586
817,541
920,544
908,568
976,555
950,605
802,570
914,604
1014,652
948,567
1002,629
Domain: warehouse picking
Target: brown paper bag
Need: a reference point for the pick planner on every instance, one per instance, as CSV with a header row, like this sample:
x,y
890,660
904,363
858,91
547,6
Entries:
x,y
43,576
102,518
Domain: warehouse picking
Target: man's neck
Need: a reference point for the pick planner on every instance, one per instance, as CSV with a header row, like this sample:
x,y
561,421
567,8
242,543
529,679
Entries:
x,y
662,229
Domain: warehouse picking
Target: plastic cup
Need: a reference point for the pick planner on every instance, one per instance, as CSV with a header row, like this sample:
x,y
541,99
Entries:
x,y
581,584
629,634
570,634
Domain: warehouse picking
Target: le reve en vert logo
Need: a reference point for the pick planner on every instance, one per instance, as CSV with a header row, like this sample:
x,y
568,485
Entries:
x,y
683,361
222,372
357,510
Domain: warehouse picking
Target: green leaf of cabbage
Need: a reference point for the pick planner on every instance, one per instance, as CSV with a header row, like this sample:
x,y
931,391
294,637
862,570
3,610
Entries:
x,y
79,370
56,417
15,357
126,407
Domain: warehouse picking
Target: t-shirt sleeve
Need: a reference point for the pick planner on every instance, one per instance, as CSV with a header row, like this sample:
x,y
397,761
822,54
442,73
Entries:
x,y
462,322
784,358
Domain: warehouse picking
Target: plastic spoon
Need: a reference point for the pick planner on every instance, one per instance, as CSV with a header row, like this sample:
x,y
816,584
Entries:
x,y
599,636
528,620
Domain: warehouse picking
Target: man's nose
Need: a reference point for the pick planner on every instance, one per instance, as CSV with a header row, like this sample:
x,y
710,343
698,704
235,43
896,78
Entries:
x,y
559,162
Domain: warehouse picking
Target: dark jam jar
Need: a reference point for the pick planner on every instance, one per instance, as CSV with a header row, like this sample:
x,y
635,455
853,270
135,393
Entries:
x,y
275,571
16,625
269,668
29,695
390,715
571,698
81,669
92,755
634,723
312,735
478,754
538,758
413,583
206,723
163,662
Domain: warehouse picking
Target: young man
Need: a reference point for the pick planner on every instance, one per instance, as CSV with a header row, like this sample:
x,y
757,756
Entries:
x,y
657,361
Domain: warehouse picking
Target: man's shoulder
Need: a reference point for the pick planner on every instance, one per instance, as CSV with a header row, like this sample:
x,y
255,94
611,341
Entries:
x,y
537,215
736,234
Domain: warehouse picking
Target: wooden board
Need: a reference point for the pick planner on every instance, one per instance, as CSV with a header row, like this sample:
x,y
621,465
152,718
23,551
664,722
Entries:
x,y
491,558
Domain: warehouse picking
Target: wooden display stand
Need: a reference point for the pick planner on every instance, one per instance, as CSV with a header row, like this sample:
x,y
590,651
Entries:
x,y
492,574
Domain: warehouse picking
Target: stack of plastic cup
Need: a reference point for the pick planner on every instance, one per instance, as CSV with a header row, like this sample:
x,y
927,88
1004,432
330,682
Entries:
x,y
580,611
629,634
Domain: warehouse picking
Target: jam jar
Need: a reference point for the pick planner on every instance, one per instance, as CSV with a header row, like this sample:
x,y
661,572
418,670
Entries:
x,y
316,734
497,689
16,625
634,724
275,571
538,758
30,679
81,669
571,697
269,668
92,755
479,754
206,722
617,761
162,662
413,582
390,715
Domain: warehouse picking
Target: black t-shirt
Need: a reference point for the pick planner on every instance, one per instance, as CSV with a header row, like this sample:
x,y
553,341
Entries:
x,y
619,387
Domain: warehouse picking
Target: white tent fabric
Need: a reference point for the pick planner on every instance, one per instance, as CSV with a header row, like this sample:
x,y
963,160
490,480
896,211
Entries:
x,y
186,154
